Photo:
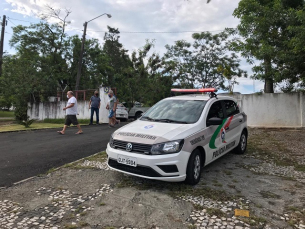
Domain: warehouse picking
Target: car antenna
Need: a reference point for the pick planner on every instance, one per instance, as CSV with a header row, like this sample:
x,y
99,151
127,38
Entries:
x,y
212,95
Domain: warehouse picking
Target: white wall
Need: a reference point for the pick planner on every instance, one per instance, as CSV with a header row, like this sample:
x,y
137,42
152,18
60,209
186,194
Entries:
x,y
54,110
274,110
263,110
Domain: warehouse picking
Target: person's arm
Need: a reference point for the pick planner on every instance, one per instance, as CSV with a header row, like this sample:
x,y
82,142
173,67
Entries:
x,y
99,104
71,105
114,106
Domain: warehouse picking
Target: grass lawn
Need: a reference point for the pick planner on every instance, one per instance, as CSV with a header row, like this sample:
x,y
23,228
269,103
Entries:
x,y
6,114
34,126
47,123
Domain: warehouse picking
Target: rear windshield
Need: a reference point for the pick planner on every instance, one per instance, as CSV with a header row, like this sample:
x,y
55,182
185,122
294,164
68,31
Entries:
x,y
175,111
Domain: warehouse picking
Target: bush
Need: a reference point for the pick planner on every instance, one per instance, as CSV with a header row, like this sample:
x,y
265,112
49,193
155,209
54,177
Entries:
x,y
27,123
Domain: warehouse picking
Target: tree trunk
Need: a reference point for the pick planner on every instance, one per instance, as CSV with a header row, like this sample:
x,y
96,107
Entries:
x,y
268,88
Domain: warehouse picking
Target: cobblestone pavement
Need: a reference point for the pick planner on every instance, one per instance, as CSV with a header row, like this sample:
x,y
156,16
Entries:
x,y
89,195
62,203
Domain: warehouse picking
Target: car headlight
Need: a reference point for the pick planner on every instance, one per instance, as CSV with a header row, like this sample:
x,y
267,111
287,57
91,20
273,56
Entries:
x,y
167,147
111,141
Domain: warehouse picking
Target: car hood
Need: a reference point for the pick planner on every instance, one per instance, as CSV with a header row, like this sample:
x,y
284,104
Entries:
x,y
147,132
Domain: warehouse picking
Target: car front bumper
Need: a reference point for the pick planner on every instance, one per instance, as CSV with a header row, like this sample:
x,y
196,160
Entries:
x,y
156,167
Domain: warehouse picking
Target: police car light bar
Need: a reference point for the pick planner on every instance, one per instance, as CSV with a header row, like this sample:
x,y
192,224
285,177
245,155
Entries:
x,y
194,90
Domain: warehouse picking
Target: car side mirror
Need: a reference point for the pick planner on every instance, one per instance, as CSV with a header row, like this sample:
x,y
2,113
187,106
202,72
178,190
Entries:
x,y
214,121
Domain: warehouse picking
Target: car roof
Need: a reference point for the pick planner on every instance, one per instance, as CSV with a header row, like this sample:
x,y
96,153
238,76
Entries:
x,y
197,97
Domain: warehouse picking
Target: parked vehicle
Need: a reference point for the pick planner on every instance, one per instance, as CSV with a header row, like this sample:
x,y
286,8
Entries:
x,y
178,136
137,111
121,112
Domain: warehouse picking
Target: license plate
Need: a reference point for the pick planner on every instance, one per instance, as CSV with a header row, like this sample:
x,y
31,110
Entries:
x,y
131,161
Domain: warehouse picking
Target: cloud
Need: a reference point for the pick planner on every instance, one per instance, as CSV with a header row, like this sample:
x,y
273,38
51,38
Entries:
x,y
141,16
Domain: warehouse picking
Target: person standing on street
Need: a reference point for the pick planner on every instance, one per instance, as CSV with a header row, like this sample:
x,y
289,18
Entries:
x,y
71,112
94,104
112,107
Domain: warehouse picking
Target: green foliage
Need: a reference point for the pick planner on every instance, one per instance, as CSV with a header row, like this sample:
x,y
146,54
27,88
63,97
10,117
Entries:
x,y
205,63
6,102
6,114
272,33
27,123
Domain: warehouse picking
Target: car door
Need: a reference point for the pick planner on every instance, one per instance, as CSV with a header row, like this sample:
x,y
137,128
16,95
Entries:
x,y
213,131
233,126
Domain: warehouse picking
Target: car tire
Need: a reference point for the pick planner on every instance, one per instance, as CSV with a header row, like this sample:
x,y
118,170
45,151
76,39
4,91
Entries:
x,y
242,146
193,171
138,115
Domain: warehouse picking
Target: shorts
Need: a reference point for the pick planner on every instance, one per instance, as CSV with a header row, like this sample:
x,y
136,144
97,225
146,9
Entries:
x,y
71,119
111,113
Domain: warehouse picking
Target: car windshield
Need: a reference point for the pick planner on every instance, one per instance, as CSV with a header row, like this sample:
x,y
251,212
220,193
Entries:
x,y
175,111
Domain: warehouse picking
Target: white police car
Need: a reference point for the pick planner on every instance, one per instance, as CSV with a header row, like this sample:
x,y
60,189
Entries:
x,y
179,135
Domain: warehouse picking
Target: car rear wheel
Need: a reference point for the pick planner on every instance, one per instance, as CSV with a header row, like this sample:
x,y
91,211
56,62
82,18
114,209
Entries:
x,y
242,146
193,172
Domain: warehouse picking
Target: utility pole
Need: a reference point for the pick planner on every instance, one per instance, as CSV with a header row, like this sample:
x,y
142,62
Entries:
x,y
2,42
80,62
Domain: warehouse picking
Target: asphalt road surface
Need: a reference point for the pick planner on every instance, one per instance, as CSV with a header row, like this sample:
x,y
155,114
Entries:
x,y
30,153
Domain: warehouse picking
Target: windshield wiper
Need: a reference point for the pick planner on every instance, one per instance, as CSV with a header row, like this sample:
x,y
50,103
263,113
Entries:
x,y
148,118
170,120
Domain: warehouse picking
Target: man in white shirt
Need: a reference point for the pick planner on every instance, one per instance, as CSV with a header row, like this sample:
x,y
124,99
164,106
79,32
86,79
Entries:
x,y
71,112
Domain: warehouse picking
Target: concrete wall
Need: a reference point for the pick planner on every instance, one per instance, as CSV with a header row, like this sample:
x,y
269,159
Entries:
x,y
274,110
54,110
263,110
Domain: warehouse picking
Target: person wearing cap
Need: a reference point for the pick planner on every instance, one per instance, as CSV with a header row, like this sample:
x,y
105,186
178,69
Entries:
x,y
71,112
94,105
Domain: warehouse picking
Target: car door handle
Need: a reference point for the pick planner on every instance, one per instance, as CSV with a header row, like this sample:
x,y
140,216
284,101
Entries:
x,y
240,120
227,128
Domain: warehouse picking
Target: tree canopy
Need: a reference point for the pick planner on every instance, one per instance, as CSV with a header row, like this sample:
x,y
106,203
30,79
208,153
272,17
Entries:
x,y
269,31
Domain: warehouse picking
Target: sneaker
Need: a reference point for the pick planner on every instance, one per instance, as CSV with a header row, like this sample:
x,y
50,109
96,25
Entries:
x,y
110,126
118,122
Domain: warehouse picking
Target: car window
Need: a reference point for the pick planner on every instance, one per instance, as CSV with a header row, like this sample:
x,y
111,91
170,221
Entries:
x,y
216,111
231,108
186,111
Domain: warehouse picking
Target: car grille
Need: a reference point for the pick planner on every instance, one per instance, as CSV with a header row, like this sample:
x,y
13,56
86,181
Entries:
x,y
139,170
136,147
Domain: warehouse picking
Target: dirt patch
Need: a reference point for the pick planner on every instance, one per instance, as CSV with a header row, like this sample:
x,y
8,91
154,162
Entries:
x,y
268,181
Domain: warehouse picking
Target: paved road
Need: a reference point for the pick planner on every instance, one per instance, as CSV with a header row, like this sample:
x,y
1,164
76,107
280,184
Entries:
x,y
29,153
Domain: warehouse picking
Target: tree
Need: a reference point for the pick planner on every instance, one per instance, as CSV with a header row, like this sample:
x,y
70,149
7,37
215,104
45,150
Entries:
x,y
215,65
264,27
180,63
117,56
205,63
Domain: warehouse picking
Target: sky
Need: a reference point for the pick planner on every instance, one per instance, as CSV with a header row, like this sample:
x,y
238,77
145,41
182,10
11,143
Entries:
x,y
164,21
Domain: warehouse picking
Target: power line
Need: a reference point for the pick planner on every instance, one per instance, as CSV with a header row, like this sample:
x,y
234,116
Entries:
x,y
20,20
156,32
11,21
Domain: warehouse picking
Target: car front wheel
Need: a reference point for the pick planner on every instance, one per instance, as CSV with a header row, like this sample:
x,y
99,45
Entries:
x,y
242,146
193,172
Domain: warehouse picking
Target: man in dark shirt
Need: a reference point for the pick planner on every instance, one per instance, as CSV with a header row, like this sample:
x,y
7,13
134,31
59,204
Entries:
x,y
94,104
